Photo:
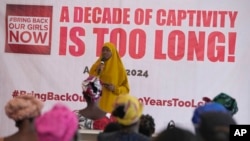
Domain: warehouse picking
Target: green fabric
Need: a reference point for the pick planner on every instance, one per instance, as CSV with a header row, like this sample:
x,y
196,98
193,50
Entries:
x,y
228,102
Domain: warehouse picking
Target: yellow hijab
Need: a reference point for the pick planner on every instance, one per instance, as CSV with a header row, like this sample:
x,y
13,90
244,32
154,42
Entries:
x,y
113,72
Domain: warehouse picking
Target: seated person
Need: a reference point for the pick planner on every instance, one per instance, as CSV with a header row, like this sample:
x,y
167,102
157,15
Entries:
x,y
57,124
112,126
23,109
92,117
147,125
214,126
127,111
207,107
175,133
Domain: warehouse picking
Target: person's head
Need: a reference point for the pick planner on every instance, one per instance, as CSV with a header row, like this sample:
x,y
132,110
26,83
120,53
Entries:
x,y
92,89
111,127
23,107
108,49
127,110
214,126
113,70
57,124
147,125
175,134
226,100
207,107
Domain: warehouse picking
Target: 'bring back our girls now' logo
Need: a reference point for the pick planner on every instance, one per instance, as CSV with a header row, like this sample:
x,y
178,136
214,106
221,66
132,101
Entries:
x,y
28,29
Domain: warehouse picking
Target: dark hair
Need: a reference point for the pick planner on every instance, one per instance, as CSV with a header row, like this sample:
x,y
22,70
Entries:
x,y
175,134
111,127
147,125
215,126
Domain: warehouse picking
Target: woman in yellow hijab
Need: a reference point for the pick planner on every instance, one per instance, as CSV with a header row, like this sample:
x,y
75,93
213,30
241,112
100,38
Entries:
x,y
109,68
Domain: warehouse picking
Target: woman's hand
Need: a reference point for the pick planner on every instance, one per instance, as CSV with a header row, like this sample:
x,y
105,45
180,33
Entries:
x,y
99,68
109,86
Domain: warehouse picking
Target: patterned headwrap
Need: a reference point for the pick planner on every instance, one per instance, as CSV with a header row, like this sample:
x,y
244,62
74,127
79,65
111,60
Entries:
x,y
92,87
58,124
128,109
22,107
227,101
